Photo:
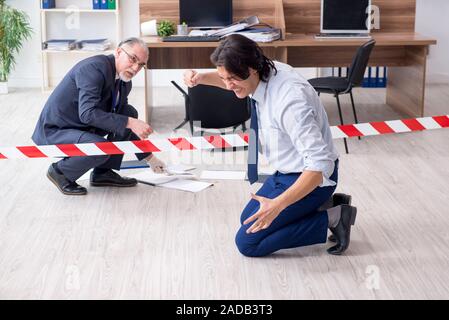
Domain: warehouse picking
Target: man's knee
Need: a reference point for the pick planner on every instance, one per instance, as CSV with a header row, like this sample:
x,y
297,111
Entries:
x,y
244,245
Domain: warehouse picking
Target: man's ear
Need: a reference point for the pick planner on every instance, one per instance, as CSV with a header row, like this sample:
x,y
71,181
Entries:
x,y
252,71
117,51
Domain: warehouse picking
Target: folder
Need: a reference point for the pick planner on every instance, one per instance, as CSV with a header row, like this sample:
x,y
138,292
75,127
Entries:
x,y
104,4
112,4
48,4
96,4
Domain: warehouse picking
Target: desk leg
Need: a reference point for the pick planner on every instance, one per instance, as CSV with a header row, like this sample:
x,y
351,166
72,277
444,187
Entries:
x,y
406,85
148,109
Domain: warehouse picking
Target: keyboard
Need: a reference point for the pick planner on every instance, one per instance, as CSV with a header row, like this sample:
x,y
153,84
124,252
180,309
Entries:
x,y
190,38
343,35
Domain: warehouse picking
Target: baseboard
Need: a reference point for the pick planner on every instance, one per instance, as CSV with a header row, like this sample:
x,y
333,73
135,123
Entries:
x,y
25,82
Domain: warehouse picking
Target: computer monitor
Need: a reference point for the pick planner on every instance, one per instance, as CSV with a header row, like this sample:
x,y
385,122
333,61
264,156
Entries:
x,y
345,16
205,13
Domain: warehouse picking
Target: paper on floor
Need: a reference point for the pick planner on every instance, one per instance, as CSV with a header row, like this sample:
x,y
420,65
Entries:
x,y
186,185
179,169
179,182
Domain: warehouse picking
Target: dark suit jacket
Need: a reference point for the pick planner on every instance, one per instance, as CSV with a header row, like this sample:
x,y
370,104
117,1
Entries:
x,y
83,102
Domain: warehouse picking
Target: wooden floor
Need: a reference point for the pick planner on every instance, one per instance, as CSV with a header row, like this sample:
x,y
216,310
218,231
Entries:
x,y
154,243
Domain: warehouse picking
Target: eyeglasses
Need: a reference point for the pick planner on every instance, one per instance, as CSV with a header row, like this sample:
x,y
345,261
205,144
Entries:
x,y
134,60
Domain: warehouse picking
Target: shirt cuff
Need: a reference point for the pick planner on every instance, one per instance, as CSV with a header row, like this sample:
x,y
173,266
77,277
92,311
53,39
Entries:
x,y
326,168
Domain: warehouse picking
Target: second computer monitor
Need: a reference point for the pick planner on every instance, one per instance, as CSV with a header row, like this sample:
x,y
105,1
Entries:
x,y
205,13
345,16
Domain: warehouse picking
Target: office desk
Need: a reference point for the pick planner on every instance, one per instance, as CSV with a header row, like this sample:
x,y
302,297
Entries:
x,y
404,53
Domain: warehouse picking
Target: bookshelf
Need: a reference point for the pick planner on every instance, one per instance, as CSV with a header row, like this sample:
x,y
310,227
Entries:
x,y
66,10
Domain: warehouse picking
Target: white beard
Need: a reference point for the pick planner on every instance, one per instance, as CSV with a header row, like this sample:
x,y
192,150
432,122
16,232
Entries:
x,y
124,78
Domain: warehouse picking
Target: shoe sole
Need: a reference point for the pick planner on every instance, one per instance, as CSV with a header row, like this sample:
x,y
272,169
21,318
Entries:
x,y
62,191
104,184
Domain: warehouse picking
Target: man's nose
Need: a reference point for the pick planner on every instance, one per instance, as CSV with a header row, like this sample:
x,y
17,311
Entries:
x,y
135,67
230,85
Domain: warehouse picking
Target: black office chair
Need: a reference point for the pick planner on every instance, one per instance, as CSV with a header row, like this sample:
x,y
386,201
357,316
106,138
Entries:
x,y
213,108
343,85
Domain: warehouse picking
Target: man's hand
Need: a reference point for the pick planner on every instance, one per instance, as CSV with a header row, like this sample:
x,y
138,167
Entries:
x,y
192,78
139,127
156,164
268,211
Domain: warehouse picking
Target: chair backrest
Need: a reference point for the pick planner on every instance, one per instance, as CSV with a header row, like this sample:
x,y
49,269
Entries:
x,y
216,107
359,63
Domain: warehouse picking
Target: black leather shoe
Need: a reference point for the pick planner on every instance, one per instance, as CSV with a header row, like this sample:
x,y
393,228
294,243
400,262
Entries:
x,y
342,231
63,184
110,179
338,199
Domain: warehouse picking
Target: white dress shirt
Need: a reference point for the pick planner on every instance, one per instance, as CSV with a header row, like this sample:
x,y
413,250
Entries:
x,y
293,127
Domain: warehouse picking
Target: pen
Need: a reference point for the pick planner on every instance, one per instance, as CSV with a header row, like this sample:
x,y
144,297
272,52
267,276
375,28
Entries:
x,y
148,183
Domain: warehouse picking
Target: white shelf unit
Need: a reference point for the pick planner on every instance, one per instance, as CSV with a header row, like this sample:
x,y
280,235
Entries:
x,y
74,7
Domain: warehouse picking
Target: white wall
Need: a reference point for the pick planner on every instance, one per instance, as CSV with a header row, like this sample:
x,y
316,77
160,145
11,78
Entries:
x,y
432,19
27,73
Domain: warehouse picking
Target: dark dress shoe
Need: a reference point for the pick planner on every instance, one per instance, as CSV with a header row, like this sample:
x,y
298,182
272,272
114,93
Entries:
x,y
63,184
338,199
110,179
342,231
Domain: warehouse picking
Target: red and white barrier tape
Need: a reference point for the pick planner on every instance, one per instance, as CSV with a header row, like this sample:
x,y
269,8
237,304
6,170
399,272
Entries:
x,y
211,142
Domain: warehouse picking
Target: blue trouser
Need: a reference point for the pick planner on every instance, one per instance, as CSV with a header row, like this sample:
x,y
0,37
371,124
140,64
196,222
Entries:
x,y
73,168
300,224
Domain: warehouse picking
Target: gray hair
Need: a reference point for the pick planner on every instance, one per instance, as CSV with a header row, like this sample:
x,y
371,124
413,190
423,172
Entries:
x,y
134,41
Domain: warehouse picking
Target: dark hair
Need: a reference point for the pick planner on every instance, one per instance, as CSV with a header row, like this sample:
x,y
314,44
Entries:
x,y
237,53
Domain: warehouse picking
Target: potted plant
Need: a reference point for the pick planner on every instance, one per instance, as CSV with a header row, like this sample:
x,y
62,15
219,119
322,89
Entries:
x,y
165,28
183,29
14,29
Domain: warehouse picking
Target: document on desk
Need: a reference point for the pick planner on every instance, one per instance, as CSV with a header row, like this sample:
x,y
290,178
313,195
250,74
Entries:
x,y
223,175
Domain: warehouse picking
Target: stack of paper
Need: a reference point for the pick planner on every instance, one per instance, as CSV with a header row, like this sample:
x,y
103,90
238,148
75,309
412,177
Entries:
x,y
240,25
60,44
94,45
260,34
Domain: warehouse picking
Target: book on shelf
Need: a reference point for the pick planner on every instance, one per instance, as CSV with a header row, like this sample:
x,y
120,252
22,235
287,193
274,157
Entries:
x,y
48,4
112,4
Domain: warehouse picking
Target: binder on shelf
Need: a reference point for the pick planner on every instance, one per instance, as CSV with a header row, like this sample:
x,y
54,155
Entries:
x,y
59,44
48,4
104,4
96,4
94,45
112,4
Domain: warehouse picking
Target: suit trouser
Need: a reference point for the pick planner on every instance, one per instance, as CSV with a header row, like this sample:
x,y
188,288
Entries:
x,y
73,168
300,224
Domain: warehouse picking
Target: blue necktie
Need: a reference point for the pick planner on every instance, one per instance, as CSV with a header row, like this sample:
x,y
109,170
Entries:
x,y
114,96
253,145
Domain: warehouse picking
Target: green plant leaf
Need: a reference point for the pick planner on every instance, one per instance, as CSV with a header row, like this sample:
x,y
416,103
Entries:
x,y
14,30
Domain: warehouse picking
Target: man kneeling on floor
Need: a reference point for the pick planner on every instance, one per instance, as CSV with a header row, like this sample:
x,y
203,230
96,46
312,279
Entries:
x,y
91,105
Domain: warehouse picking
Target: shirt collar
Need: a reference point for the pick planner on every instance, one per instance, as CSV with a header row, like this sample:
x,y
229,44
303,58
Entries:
x,y
260,94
